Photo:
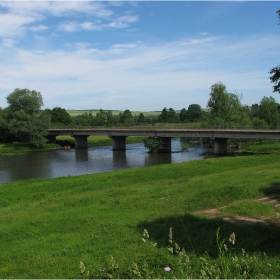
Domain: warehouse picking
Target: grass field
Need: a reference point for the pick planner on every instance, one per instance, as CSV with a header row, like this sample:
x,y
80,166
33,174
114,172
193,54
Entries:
x,y
92,226
114,112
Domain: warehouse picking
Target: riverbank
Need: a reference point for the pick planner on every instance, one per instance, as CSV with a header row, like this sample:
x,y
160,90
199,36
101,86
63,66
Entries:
x,y
62,141
50,227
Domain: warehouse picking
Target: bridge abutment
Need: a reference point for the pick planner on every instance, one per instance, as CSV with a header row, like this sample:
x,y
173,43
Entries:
x,y
220,146
166,143
119,143
81,141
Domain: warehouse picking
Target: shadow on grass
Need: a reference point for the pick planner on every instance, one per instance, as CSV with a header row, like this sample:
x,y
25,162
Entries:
x,y
198,234
273,191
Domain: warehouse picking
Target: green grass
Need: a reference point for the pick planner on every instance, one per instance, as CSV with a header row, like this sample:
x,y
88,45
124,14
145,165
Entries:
x,y
16,147
75,113
94,141
248,208
49,226
273,147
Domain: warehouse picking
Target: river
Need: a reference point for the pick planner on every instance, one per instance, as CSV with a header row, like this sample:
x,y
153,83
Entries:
x,y
59,163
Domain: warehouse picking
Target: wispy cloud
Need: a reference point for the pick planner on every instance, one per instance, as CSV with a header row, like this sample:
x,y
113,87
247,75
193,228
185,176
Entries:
x,y
18,17
38,28
155,72
14,25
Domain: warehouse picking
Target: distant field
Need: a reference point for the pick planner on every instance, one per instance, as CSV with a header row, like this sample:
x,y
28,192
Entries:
x,y
114,112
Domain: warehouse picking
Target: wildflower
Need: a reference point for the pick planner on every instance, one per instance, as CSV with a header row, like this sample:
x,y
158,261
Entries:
x,y
170,236
167,269
82,267
232,238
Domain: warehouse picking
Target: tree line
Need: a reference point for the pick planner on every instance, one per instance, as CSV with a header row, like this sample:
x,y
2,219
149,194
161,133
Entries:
x,y
24,120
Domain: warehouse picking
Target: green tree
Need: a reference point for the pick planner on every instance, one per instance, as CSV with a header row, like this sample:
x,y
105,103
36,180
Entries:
x,y
183,115
29,101
269,111
101,118
126,118
60,116
194,112
141,118
225,108
26,122
275,72
168,116
254,111
154,144
5,135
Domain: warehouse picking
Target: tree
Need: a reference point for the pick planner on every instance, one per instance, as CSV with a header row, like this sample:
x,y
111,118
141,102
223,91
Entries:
x,y
101,118
183,115
275,78
225,108
25,121
269,111
154,144
60,116
168,116
275,71
24,99
254,111
126,118
194,112
140,119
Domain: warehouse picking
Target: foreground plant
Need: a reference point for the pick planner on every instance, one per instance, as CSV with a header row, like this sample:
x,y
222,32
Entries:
x,y
230,263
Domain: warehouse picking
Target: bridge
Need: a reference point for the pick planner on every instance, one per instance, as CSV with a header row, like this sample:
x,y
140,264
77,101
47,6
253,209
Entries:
x,y
118,135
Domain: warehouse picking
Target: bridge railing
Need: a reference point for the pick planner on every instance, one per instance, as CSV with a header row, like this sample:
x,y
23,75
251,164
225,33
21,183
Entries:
x,y
155,127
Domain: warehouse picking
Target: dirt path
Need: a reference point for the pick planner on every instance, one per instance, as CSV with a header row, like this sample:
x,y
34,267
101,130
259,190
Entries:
x,y
274,201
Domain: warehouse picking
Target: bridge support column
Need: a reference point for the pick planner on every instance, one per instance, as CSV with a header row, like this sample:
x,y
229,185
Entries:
x,y
81,141
220,146
51,138
119,143
166,143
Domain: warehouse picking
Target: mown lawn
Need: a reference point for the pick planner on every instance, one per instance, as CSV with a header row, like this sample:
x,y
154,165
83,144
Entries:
x,y
91,226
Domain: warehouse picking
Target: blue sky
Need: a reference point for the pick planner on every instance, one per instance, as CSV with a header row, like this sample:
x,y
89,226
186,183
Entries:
x,y
137,55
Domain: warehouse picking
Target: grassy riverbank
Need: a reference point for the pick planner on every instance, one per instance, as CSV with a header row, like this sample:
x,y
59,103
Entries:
x,y
93,141
17,148
49,226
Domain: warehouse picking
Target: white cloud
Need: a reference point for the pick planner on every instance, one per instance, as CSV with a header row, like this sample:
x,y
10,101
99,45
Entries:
x,y
38,28
9,43
20,14
56,8
173,74
87,25
14,25
68,26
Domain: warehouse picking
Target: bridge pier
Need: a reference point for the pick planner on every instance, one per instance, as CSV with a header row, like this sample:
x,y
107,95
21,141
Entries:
x,y
119,143
81,141
166,143
220,146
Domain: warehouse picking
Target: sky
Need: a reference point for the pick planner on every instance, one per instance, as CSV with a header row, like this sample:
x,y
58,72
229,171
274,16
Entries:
x,y
138,55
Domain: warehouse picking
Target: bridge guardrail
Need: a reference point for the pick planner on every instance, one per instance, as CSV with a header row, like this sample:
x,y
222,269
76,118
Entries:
x,y
155,127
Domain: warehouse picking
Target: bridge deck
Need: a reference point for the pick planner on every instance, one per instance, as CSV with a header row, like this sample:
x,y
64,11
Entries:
x,y
172,132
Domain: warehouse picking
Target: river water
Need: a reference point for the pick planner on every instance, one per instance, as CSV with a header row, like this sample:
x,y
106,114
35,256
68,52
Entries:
x,y
59,163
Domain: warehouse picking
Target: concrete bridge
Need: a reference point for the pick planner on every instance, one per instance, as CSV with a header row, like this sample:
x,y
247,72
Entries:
x,y
118,135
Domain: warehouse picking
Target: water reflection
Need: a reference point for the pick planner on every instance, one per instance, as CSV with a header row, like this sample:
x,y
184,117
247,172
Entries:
x,y
119,159
57,163
81,155
154,159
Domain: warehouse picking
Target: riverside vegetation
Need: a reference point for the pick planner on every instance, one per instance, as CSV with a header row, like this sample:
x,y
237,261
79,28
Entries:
x,y
144,223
